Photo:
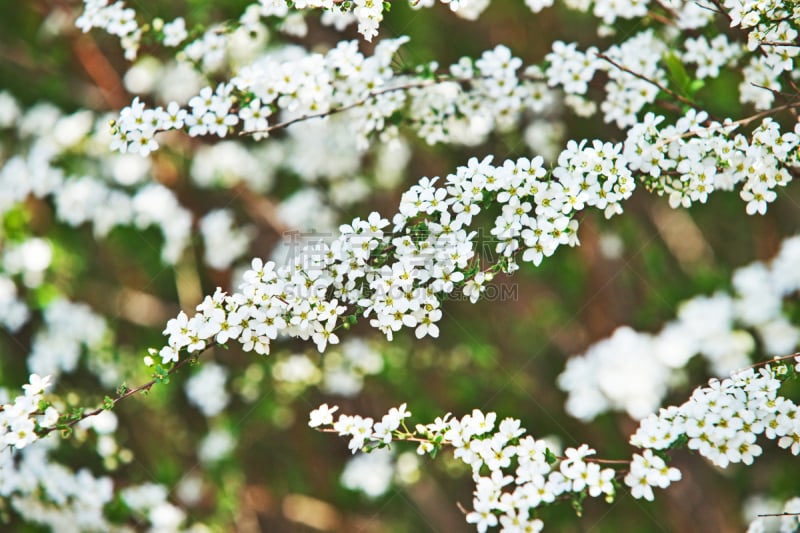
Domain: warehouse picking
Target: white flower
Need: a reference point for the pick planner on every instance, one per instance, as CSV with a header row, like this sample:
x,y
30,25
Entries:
x,y
322,415
37,384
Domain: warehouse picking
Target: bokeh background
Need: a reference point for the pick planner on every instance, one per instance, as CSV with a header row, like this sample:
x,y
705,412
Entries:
x,y
266,470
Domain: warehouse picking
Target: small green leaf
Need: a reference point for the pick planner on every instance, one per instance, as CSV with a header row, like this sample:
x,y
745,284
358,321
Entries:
x,y
161,375
680,442
695,86
550,457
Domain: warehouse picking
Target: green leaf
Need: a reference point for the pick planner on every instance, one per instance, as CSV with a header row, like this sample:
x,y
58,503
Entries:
x,y
550,457
44,294
680,442
161,375
695,86
677,73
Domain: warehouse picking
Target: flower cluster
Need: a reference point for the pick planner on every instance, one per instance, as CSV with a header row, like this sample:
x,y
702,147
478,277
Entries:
x,y
43,491
632,370
13,311
723,420
783,518
115,19
709,56
770,31
648,471
100,195
627,94
19,420
514,473
70,327
119,20
689,160
341,372
374,473
28,261
298,86
206,389
224,243
399,279
463,106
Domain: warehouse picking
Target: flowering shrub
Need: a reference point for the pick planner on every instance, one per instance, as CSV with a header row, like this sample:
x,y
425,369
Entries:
x,y
287,135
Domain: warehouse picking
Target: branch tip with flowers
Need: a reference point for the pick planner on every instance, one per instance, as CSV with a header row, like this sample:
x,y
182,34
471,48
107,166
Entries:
x,y
515,474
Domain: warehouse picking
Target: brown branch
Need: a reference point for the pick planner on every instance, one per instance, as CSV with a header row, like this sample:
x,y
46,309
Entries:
x,y
661,87
721,9
261,208
741,122
785,75
773,43
409,438
101,71
408,86
127,394
708,8
770,361
768,112
658,17
776,92
335,110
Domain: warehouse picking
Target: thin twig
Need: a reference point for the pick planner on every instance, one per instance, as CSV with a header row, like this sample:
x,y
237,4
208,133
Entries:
x,y
721,8
768,112
708,8
776,92
661,87
419,84
773,43
735,124
785,75
773,360
335,110
127,394
409,438
658,17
